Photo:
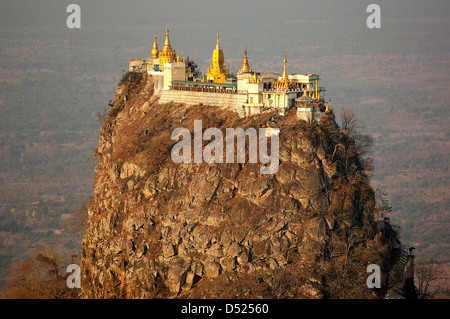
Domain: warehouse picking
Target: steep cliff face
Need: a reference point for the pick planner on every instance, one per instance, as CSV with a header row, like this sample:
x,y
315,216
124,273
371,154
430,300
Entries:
x,y
161,229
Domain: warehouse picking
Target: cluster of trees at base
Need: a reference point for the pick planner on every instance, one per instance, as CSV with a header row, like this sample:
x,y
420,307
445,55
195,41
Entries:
x,y
41,277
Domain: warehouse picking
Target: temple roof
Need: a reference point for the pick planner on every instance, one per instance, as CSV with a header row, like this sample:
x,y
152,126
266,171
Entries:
x,y
245,67
304,98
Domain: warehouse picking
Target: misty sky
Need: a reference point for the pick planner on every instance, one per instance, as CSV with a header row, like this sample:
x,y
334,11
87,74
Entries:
x,y
194,23
53,79
316,34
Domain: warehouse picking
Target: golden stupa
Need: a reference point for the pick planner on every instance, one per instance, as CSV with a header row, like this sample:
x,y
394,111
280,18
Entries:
x,y
284,82
218,71
245,67
167,54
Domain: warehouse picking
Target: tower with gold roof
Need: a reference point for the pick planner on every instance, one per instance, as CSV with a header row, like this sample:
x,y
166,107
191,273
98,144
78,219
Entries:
x,y
218,71
167,54
284,82
245,67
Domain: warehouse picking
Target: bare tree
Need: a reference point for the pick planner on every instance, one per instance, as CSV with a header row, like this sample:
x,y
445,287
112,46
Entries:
x,y
349,122
40,277
363,142
428,276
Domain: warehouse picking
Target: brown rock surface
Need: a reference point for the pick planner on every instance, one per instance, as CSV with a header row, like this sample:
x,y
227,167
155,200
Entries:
x,y
160,229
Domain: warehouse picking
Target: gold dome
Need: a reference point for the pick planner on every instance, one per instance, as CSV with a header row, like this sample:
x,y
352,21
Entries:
x,y
155,51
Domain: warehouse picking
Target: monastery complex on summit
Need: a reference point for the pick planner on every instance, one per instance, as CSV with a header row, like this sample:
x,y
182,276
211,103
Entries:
x,y
249,92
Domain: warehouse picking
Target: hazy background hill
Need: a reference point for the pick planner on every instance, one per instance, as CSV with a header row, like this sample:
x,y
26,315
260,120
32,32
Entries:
x,y
53,80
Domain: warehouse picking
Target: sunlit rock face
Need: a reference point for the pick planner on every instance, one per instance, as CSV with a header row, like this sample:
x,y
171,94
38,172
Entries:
x,y
160,229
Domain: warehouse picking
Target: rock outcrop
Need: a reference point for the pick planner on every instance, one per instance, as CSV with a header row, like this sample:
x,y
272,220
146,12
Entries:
x,y
160,229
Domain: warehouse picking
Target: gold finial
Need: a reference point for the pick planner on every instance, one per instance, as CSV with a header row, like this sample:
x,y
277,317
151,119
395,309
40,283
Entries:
x,y
317,92
155,48
217,45
179,58
285,76
167,45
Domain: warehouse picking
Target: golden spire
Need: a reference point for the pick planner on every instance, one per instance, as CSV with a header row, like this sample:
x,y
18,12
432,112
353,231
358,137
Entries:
x,y
284,76
284,82
245,67
179,59
167,54
167,47
155,48
317,92
218,70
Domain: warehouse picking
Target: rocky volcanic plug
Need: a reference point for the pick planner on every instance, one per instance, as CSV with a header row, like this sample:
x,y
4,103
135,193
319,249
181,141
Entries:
x,y
160,229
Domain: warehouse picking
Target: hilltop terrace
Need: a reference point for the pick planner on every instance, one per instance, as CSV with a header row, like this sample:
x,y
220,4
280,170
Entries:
x,y
249,92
